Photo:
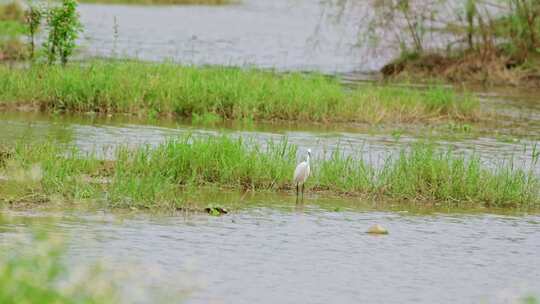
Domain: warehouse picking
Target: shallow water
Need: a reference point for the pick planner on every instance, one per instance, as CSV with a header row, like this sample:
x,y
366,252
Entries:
x,y
374,144
285,255
283,34
268,250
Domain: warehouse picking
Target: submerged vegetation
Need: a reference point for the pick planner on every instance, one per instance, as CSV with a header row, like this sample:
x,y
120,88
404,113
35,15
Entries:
x,y
156,177
229,93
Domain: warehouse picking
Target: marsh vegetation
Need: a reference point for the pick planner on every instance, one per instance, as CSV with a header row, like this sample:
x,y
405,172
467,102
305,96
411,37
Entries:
x,y
130,156
156,177
227,93
34,271
60,19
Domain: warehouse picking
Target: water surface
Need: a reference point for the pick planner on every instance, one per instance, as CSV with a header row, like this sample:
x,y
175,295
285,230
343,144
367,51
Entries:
x,y
284,34
286,255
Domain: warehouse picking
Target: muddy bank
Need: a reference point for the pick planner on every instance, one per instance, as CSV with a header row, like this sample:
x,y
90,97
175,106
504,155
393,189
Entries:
x,y
471,68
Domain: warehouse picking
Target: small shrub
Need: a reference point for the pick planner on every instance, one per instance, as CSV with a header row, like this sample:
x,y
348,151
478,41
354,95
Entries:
x,y
64,28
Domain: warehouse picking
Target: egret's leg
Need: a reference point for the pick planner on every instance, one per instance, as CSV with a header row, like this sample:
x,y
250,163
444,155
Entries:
x,y
302,192
297,193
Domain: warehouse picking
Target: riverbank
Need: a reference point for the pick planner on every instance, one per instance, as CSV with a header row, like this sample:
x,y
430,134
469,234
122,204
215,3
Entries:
x,y
158,177
211,93
471,68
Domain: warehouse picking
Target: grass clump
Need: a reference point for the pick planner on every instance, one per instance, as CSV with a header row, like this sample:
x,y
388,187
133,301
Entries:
x,y
157,177
229,93
441,176
424,174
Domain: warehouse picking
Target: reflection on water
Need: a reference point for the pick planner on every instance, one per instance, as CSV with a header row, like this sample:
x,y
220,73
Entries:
x,y
278,255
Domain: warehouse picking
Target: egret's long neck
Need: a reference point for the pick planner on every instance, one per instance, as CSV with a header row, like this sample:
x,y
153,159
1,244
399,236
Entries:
x,y
307,159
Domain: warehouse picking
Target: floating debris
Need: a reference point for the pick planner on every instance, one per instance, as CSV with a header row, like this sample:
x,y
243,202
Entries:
x,y
216,211
377,229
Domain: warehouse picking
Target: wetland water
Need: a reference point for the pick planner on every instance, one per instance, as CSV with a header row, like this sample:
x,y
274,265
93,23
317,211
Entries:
x,y
267,250
280,254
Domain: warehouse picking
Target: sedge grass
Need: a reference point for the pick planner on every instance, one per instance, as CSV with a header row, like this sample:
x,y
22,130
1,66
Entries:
x,y
156,177
35,272
229,93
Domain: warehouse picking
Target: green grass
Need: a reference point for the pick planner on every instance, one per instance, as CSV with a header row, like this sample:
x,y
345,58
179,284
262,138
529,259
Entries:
x,y
10,28
11,45
157,177
229,93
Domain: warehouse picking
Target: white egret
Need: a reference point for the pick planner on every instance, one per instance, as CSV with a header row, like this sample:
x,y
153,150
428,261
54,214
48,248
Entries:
x,y
301,174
